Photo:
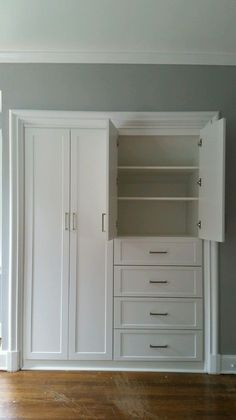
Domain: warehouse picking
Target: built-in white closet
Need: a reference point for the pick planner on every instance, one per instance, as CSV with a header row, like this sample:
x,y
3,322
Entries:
x,y
116,210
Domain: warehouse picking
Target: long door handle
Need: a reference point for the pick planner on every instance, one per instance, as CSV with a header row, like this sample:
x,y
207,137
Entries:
x,y
74,221
103,222
67,221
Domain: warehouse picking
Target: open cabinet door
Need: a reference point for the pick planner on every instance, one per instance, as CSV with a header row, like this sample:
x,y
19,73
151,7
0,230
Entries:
x,y
212,174
112,154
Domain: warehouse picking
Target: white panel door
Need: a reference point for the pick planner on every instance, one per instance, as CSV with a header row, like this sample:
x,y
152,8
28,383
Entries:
x,y
112,156
212,174
90,312
47,157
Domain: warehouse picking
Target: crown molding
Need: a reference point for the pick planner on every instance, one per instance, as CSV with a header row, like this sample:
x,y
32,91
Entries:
x,y
127,123
119,57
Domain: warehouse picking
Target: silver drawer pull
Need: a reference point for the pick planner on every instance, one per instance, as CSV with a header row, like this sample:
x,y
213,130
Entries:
x,y
159,313
158,252
165,346
158,281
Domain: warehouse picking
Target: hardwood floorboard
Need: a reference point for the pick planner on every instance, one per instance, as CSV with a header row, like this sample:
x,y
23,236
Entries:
x,y
116,395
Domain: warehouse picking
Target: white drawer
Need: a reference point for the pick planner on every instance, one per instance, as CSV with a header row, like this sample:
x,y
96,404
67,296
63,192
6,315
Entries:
x,y
158,313
157,281
158,345
158,251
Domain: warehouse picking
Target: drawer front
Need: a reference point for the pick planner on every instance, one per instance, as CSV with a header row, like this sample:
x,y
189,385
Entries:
x,y
157,251
161,281
161,345
158,313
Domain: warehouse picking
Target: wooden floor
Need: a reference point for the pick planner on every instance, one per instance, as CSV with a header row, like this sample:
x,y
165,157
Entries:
x,y
116,395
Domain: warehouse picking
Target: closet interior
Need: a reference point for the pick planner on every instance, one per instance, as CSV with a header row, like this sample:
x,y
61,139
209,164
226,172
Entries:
x,y
158,185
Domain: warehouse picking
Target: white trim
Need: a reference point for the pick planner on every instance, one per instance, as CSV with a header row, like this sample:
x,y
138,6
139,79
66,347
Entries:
x,y
12,361
214,360
3,360
125,122
228,364
206,300
215,363
211,307
119,57
194,367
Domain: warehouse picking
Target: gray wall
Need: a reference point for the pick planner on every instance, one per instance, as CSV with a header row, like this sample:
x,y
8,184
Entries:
x,y
135,88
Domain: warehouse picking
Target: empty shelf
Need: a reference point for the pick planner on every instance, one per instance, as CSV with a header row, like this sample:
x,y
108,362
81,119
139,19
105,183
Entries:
x,y
160,198
171,169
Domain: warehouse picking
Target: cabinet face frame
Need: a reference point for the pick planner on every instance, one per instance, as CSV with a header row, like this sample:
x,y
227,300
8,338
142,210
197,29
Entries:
x,y
161,123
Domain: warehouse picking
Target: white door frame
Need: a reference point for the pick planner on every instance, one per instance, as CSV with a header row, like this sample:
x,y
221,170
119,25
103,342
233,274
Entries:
x,y
181,123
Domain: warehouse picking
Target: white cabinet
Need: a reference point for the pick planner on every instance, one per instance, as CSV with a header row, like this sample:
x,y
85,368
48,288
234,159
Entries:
x,y
170,195
130,202
68,261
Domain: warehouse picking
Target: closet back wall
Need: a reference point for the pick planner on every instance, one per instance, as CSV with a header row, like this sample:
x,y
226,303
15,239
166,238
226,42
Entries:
x,y
98,87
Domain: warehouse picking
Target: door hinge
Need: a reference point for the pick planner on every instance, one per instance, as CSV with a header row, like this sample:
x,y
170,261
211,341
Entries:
x,y
199,224
117,142
117,181
199,182
117,224
200,143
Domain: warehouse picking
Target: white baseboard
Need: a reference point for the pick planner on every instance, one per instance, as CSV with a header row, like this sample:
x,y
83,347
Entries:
x,y
135,366
12,361
219,364
228,364
215,364
3,360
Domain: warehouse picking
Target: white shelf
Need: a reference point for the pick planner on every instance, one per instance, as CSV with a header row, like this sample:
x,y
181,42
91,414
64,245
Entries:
x,y
171,169
159,198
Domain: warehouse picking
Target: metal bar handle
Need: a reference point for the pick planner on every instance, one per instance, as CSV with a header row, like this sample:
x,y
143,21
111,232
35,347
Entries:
x,y
158,281
159,313
74,221
158,252
103,222
67,221
165,346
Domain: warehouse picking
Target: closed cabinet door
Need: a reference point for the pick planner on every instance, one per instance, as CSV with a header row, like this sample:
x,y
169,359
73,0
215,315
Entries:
x,y
90,312
47,157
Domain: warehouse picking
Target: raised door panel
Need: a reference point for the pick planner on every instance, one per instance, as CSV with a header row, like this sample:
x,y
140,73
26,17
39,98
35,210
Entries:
x,y
157,251
157,281
46,243
212,174
90,328
158,313
166,345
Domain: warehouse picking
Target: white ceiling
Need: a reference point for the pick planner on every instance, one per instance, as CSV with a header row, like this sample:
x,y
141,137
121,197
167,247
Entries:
x,y
145,31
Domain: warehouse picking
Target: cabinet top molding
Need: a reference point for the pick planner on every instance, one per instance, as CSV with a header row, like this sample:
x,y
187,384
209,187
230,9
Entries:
x,y
125,122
